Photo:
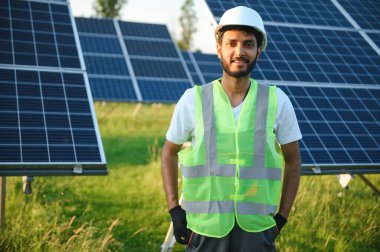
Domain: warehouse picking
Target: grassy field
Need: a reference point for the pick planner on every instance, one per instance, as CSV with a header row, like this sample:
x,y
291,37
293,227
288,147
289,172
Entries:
x,y
126,210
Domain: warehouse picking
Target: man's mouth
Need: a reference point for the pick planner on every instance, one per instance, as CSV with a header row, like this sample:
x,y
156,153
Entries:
x,y
240,61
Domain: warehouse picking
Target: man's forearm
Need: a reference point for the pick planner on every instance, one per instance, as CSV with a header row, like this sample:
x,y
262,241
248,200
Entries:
x,y
290,185
291,180
169,172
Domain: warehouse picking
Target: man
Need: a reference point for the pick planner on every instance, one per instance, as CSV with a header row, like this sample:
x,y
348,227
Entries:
x,y
242,171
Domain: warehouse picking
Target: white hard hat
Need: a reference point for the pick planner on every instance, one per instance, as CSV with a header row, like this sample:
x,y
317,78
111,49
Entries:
x,y
244,16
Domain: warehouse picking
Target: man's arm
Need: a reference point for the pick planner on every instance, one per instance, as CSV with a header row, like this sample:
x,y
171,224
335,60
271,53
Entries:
x,y
292,173
169,172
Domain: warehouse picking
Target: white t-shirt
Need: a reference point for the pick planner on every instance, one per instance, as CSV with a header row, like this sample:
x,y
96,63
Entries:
x,y
183,121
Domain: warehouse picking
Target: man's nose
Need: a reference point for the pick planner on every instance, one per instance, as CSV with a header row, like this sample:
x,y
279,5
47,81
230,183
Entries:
x,y
239,50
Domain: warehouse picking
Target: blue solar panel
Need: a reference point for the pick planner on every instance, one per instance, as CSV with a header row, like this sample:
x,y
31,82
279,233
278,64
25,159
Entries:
x,y
112,89
43,113
190,66
156,61
109,75
106,45
31,32
149,48
47,122
143,30
315,55
162,91
106,65
349,131
312,12
122,59
365,12
159,68
209,66
97,26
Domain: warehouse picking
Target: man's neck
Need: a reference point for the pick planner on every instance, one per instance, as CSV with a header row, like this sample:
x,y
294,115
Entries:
x,y
235,88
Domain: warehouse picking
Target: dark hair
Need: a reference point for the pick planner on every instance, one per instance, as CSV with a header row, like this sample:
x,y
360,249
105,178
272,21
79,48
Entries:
x,y
247,29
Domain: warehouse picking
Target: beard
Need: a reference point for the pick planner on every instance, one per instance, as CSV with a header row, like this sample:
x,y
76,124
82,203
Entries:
x,y
239,73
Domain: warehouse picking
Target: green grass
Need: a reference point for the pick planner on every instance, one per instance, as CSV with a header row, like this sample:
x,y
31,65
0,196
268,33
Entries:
x,y
126,210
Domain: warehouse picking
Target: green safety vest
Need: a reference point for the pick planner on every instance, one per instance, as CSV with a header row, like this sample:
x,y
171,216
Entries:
x,y
232,171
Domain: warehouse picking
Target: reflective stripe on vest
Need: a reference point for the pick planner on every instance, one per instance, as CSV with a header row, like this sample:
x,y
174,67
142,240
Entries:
x,y
228,207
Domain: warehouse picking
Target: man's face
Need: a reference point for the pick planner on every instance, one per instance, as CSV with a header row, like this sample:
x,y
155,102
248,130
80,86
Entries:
x,y
238,53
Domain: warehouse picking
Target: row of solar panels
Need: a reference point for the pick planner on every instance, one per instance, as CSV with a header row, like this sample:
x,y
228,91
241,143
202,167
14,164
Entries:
x,y
46,113
339,124
295,55
140,62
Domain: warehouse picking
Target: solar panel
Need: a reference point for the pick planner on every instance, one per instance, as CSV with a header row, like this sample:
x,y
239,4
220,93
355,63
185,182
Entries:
x,y
41,35
319,54
129,61
157,63
317,12
339,125
106,66
209,66
316,55
365,12
195,73
47,123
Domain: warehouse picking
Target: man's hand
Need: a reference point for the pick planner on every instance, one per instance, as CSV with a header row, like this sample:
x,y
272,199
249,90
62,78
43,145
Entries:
x,y
181,232
280,222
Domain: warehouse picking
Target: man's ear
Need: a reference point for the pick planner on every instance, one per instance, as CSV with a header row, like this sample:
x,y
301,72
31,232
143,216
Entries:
x,y
259,53
219,50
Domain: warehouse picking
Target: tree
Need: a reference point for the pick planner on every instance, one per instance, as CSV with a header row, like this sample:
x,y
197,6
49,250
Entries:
x,y
187,21
108,8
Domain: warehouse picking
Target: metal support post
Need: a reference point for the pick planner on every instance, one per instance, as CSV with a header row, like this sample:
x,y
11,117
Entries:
x,y
367,182
2,202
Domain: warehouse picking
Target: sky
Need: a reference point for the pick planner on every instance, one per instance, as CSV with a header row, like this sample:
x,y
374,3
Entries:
x,y
161,12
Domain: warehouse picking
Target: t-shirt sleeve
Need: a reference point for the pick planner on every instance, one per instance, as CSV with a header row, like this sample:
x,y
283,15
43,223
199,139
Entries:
x,y
287,125
183,120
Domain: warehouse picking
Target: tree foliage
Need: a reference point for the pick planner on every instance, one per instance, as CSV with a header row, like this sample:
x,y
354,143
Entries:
x,y
187,21
108,8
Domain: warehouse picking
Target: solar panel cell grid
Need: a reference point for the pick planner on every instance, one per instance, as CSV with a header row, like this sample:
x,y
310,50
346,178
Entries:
x,y
346,127
96,26
163,91
32,32
337,57
106,45
301,12
365,12
38,117
158,68
112,89
144,30
150,48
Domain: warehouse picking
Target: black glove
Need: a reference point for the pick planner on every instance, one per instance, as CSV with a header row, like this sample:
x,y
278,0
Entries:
x,y
181,232
280,221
